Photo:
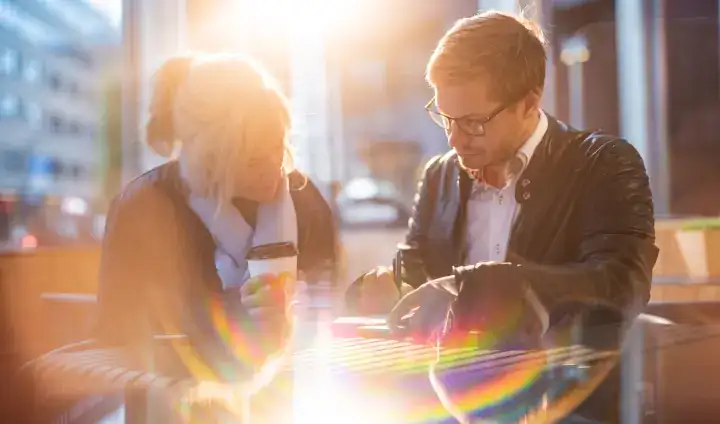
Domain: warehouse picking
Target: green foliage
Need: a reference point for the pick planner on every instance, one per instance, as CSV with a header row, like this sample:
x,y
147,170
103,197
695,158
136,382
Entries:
x,y
702,224
110,139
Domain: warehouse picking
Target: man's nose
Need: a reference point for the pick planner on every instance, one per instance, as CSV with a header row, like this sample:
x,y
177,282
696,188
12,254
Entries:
x,y
456,138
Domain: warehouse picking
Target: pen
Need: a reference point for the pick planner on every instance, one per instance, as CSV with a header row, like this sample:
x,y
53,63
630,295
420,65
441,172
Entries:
x,y
397,269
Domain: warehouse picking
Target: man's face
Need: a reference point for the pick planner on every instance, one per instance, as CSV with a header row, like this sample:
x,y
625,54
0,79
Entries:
x,y
503,134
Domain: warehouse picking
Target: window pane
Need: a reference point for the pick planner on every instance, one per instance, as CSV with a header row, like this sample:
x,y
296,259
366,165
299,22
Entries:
x,y
9,61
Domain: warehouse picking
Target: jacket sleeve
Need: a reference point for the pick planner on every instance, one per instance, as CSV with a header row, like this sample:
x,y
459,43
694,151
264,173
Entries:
x,y
132,260
616,254
414,271
318,240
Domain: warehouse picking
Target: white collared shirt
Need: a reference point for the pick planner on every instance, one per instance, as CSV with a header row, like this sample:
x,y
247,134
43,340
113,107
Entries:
x,y
492,211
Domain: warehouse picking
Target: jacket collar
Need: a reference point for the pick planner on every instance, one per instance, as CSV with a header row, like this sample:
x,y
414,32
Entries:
x,y
519,162
542,143
550,146
526,151
457,184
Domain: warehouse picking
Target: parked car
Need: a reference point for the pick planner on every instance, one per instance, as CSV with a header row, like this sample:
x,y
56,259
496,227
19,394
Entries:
x,y
372,223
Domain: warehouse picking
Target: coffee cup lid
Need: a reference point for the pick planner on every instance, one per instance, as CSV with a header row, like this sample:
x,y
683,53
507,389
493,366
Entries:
x,y
278,250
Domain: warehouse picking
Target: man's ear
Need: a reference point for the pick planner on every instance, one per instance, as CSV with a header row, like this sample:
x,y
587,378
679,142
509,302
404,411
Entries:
x,y
532,103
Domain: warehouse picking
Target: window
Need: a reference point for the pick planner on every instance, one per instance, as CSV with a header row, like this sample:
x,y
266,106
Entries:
x,y
56,124
33,115
78,171
55,82
33,70
13,161
54,167
9,106
9,62
74,128
20,110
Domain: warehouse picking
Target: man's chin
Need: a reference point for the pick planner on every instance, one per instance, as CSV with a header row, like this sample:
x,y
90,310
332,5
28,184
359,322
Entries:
x,y
472,163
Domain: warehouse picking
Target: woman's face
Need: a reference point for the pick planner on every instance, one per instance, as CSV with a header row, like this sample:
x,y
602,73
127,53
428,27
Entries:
x,y
259,173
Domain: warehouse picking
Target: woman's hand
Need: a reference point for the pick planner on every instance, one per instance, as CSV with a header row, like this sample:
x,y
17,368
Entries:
x,y
266,297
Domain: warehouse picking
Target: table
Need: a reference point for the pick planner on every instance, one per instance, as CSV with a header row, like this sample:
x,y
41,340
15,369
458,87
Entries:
x,y
331,376
490,384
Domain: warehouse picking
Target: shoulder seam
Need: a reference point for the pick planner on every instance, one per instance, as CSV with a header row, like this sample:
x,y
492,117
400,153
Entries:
x,y
438,160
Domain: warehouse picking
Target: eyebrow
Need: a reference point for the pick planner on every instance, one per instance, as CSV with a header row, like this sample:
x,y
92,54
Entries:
x,y
467,115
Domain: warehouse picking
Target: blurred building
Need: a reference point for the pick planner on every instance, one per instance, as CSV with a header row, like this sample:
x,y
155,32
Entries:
x,y
54,59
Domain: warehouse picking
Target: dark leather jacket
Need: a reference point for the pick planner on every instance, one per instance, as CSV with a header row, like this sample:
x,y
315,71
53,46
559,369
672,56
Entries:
x,y
158,272
583,239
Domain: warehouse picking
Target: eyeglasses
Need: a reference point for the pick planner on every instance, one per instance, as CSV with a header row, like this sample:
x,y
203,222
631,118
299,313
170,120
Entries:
x,y
469,124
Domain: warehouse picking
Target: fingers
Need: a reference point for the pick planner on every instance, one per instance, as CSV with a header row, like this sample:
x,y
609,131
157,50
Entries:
x,y
264,296
263,306
384,277
409,302
380,276
378,292
428,320
420,314
252,284
264,313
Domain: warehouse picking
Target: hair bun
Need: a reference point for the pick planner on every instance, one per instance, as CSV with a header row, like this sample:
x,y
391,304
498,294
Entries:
x,y
160,132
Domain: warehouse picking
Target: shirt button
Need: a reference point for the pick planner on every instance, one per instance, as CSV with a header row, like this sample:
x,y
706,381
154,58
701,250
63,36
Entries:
x,y
500,199
497,249
526,195
525,182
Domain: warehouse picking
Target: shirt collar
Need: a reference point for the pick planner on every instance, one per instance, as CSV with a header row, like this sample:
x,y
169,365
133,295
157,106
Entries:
x,y
523,155
526,151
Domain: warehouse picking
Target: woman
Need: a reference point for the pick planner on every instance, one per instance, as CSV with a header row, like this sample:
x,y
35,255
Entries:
x,y
173,257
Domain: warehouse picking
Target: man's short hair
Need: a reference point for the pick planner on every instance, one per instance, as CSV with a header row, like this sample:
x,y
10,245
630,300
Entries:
x,y
506,51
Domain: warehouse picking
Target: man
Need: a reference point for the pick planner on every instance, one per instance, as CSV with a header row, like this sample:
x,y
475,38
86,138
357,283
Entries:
x,y
523,210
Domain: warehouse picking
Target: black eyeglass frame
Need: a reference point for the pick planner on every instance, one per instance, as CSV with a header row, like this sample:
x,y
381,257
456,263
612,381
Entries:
x,y
445,122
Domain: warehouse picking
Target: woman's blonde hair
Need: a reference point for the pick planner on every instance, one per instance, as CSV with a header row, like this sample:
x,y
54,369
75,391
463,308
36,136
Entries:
x,y
213,107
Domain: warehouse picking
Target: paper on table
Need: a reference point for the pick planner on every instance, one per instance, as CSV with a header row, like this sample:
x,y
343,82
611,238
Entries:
x,y
359,320
349,326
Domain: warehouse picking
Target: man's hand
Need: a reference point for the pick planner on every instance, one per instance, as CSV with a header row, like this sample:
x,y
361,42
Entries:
x,y
422,312
378,292
495,298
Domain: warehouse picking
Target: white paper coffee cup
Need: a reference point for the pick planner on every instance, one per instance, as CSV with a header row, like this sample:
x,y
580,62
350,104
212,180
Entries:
x,y
274,259
275,266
